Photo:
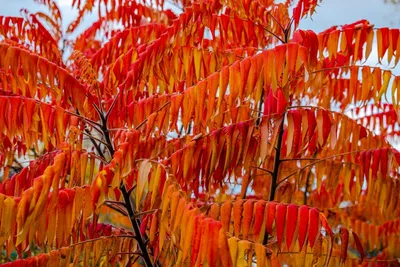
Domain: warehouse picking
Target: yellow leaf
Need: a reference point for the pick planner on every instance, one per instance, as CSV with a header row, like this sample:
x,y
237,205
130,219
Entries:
x,y
233,248
142,180
156,184
9,208
244,247
386,79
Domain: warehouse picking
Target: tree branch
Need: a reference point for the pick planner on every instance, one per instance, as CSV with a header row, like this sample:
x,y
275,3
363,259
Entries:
x,y
315,162
275,172
126,196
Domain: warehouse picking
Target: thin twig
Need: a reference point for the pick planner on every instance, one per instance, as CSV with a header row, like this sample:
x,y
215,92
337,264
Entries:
x,y
126,196
277,22
259,168
293,159
145,120
92,123
275,172
112,106
117,208
88,134
98,157
315,162
139,214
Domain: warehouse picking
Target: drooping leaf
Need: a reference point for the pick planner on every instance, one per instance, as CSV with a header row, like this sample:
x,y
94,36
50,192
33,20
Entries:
x,y
344,237
291,224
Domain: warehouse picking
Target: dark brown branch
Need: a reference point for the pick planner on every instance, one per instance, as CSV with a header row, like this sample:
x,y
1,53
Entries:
x,y
306,188
277,162
145,120
126,195
135,226
275,172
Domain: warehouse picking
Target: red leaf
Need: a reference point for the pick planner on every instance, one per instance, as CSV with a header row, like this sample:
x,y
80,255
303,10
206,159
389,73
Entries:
x,y
312,123
303,224
294,131
292,216
215,226
344,237
280,222
375,163
367,163
384,162
197,230
359,247
313,228
281,102
324,126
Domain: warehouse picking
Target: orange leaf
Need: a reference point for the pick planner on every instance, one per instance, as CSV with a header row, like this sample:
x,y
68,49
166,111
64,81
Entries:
x,y
153,227
237,216
259,208
247,217
224,251
382,36
142,180
226,210
270,214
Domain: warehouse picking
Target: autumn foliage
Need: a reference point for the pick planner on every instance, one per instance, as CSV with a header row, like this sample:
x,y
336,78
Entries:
x,y
197,133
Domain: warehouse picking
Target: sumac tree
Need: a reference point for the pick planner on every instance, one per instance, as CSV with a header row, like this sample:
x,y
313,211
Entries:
x,y
214,133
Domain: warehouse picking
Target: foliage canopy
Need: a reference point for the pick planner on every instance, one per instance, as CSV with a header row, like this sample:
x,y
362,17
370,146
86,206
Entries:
x,y
214,133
